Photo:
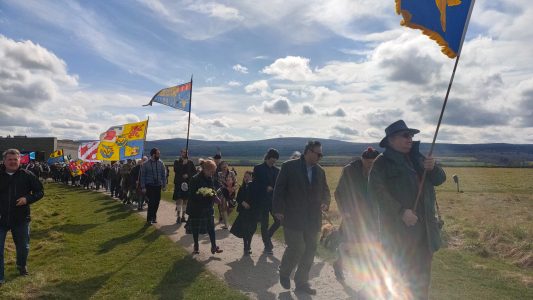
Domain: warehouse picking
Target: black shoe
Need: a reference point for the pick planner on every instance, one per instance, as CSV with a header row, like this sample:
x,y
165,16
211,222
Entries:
x,y
153,222
285,282
183,220
305,288
23,271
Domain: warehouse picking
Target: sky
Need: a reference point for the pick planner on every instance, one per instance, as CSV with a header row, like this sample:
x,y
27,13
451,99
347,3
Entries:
x,y
335,69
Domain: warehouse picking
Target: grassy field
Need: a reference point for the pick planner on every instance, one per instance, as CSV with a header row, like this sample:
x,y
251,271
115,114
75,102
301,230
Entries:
x,y
86,245
488,233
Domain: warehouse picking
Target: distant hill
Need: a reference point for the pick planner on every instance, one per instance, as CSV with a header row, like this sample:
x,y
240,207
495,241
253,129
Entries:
x,y
499,154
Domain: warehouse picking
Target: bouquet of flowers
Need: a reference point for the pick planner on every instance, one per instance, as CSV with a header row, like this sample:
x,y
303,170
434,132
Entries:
x,y
208,193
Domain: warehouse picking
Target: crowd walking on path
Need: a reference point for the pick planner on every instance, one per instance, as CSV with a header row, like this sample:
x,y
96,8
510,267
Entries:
x,y
384,203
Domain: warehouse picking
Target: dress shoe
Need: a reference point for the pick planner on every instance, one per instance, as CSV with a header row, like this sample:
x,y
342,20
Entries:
x,y
23,271
216,250
305,288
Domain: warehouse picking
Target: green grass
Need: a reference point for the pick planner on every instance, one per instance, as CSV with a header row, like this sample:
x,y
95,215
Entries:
x,y
86,245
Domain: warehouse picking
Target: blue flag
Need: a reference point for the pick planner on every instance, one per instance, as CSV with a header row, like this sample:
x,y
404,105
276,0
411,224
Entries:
x,y
177,96
444,21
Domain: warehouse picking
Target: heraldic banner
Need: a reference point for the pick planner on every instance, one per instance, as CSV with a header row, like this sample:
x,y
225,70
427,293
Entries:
x,y
122,142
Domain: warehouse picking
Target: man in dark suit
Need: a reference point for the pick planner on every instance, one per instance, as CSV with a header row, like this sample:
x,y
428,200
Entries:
x,y
300,195
265,176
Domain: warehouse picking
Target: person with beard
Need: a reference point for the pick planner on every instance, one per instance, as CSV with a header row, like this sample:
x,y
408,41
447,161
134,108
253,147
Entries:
x,y
153,180
18,189
184,170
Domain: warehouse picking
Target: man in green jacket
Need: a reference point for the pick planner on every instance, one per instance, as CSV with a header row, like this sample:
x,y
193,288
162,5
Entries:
x,y
409,235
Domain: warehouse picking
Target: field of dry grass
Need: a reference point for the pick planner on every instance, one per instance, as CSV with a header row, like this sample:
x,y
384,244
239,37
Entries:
x,y
488,233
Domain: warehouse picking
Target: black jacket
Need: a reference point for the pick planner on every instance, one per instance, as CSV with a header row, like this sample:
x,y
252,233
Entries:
x,y
264,176
180,169
12,187
199,206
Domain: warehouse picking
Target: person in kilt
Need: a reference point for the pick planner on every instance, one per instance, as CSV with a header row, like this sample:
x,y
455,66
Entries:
x,y
246,222
202,197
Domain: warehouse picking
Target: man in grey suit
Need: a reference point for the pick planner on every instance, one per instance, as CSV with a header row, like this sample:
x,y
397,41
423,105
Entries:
x,y
300,195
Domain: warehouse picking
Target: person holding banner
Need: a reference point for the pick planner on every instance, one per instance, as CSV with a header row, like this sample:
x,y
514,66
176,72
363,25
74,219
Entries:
x,y
153,180
409,234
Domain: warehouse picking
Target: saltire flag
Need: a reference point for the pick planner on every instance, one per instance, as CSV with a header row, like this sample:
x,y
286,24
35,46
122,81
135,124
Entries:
x,y
56,153
79,167
122,142
87,151
177,96
444,21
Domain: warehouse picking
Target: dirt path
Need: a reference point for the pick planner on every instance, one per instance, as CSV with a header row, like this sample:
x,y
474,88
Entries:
x,y
255,275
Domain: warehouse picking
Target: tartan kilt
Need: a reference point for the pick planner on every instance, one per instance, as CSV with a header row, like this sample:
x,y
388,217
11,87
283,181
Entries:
x,y
197,224
179,194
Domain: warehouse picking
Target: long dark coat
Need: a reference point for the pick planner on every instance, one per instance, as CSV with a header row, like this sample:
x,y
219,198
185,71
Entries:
x,y
353,203
298,200
246,222
393,188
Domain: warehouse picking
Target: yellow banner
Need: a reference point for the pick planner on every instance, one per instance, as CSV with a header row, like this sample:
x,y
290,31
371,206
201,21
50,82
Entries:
x,y
108,151
57,153
122,142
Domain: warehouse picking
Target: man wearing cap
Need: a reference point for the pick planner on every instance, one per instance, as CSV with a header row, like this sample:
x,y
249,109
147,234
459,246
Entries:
x,y
355,208
300,195
409,235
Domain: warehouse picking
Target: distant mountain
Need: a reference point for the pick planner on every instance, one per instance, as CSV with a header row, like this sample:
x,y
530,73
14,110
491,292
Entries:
x,y
499,154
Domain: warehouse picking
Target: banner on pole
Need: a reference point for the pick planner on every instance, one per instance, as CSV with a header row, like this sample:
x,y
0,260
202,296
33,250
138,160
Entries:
x,y
178,97
444,21
122,142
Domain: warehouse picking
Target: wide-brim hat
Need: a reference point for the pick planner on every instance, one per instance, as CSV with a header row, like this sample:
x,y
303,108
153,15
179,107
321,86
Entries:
x,y
394,128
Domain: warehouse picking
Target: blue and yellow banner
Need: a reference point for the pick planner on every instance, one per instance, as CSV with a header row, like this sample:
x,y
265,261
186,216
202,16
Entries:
x,y
444,21
122,142
177,96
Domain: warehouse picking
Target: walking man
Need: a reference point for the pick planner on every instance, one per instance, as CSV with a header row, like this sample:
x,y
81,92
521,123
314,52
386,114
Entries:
x,y
301,194
264,178
409,233
18,189
153,180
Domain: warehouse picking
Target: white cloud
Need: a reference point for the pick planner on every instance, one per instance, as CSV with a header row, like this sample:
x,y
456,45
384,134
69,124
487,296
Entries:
x,y
240,69
279,106
339,112
293,68
257,86
234,83
217,10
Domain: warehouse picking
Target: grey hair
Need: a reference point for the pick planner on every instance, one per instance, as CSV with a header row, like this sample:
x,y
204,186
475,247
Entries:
x,y
10,151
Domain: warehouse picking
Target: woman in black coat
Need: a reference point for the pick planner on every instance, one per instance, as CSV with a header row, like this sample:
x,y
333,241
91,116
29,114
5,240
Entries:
x,y
246,222
200,207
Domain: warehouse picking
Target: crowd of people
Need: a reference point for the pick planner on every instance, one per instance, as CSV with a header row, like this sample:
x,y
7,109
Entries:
x,y
385,200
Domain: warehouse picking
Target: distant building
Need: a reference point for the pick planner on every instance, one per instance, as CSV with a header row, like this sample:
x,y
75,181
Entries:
x,y
42,146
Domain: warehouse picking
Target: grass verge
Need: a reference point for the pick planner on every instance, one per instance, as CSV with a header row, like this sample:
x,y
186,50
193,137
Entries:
x,y
86,245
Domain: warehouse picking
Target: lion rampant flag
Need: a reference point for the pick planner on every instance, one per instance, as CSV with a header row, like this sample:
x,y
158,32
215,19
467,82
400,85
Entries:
x,y
122,142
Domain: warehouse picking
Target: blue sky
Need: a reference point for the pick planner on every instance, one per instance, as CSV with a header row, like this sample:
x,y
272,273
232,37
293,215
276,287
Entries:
x,y
262,69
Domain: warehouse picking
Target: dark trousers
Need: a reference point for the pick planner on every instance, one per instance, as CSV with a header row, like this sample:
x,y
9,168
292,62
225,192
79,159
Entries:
x,y
154,196
21,237
267,233
300,252
210,232
247,242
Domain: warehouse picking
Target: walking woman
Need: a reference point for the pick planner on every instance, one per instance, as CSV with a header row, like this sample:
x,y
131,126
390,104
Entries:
x,y
226,185
202,197
246,222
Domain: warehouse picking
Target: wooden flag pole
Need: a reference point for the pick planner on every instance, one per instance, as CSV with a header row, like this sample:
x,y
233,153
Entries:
x,y
189,122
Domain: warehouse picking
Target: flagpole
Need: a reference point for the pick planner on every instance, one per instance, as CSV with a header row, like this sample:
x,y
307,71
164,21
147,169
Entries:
x,y
145,134
422,180
189,122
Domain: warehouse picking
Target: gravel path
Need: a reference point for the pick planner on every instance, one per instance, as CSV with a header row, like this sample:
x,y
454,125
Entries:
x,y
256,275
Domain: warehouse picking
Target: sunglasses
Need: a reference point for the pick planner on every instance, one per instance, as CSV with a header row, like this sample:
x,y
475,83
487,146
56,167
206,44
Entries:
x,y
406,134
319,154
